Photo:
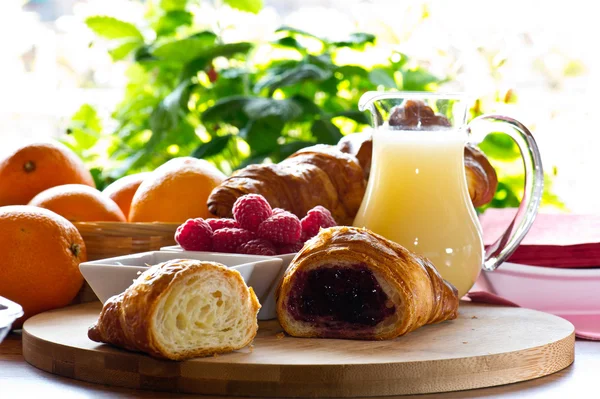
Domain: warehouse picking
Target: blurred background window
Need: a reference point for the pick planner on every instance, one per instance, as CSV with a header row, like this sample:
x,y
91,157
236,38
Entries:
x,y
527,59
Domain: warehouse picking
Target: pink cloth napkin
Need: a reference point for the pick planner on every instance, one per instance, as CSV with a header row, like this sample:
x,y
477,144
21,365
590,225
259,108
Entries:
x,y
554,240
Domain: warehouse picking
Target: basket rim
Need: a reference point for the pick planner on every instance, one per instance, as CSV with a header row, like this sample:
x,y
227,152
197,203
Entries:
x,y
126,223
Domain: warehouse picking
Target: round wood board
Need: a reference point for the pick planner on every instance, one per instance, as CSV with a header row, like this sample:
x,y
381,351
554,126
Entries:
x,y
485,346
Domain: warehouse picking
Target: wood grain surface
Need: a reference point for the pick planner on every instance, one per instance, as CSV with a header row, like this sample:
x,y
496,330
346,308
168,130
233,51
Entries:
x,y
486,346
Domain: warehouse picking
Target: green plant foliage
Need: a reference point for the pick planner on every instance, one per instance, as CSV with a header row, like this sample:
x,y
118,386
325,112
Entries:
x,y
253,6
179,101
112,28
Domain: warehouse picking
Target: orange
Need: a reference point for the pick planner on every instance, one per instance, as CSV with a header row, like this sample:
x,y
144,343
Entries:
x,y
41,252
121,191
79,203
32,168
175,191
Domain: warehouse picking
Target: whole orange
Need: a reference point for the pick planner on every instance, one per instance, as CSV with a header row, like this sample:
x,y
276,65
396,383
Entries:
x,y
122,191
175,191
32,168
41,252
79,203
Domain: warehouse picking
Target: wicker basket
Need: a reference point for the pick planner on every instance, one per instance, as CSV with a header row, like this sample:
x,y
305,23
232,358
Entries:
x,y
109,239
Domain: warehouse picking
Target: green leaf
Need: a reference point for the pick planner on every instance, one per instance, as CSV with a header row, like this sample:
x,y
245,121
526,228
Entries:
x,y
262,134
253,6
289,29
112,28
123,167
169,5
229,110
504,197
183,50
166,116
253,159
213,147
84,131
223,50
285,150
326,132
500,146
99,179
291,42
418,80
322,60
88,117
382,77
259,108
171,20
124,49
203,35
143,54
349,71
308,107
356,40
357,116
301,73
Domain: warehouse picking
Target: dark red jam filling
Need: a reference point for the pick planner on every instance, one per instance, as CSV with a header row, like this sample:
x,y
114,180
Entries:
x,y
334,297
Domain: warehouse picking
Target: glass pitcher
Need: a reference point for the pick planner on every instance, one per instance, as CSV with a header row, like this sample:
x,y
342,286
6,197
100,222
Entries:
x,y
417,194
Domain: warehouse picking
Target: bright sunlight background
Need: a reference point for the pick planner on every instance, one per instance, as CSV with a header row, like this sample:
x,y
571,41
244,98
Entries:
x,y
537,52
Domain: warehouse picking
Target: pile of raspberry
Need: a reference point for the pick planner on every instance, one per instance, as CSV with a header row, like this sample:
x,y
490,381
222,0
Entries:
x,y
255,229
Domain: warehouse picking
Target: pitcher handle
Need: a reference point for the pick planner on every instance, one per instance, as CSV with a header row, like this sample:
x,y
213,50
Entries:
x,y
500,250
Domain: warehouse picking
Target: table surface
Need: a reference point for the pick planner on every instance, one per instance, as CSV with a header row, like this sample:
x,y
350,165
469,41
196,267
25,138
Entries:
x,y
19,379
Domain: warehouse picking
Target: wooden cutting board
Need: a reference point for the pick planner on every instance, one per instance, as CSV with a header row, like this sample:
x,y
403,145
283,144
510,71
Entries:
x,y
486,346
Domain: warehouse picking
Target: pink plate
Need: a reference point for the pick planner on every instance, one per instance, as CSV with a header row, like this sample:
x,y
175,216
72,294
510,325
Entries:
x,y
573,294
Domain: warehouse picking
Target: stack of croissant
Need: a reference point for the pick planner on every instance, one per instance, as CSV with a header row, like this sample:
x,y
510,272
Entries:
x,y
335,176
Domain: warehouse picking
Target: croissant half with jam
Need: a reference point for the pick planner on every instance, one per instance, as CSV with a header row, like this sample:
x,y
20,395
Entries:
x,y
181,309
351,283
317,175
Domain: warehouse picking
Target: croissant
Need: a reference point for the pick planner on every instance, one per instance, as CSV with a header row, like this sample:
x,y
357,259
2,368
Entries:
x,y
317,175
481,175
181,309
351,283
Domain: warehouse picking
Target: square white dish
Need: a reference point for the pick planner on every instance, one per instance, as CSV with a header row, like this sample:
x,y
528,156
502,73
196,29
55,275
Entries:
x,y
9,312
268,310
111,276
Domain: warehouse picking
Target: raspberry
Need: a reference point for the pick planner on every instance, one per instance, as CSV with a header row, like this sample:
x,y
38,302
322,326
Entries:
x,y
278,210
258,246
194,235
290,248
282,228
218,224
229,239
315,219
251,210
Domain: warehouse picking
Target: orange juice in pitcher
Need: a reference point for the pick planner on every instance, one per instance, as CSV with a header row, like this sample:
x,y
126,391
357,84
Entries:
x,y
417,193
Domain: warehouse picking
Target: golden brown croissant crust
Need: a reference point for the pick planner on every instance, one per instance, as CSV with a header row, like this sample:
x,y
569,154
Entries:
x,y
317,175
351,283
180,309
481,175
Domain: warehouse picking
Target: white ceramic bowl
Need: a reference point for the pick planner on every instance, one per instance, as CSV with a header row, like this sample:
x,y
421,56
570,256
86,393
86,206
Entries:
x,y
573,294
9,312
108,277
268,310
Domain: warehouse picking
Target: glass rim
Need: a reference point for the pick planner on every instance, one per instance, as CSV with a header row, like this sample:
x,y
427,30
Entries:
x,y
374,95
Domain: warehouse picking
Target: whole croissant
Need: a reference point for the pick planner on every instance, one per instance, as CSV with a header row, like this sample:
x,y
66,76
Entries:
x,y
351,283
181,309
317,175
